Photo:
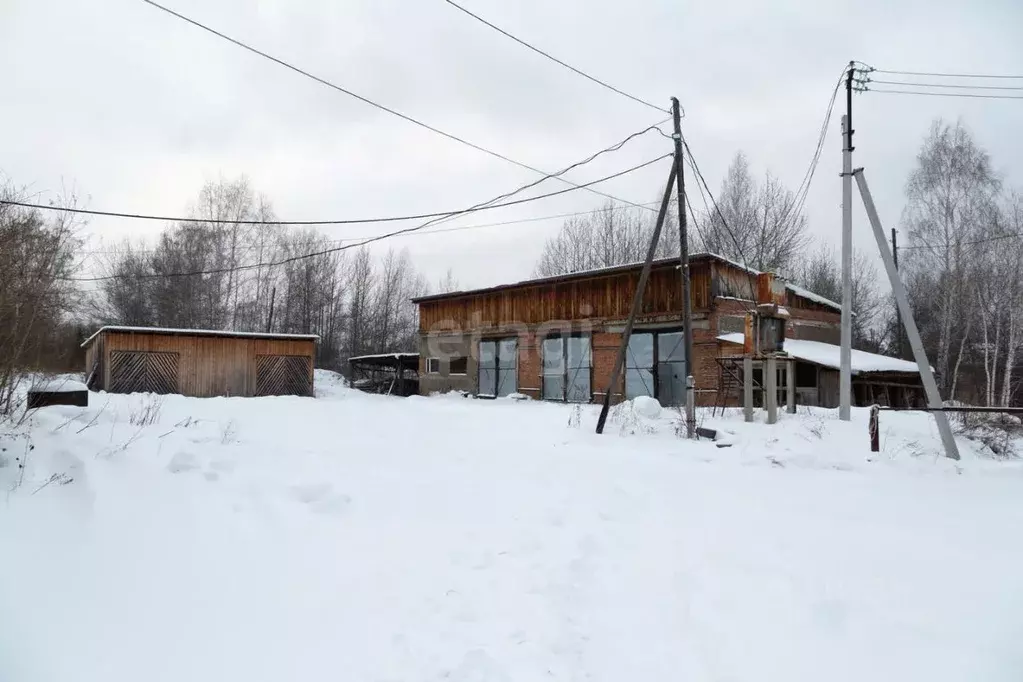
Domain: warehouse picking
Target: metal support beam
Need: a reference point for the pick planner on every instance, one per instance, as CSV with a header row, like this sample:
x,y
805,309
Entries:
x,y
912,333
637,302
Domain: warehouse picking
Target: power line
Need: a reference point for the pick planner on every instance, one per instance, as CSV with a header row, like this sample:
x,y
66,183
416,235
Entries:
x,y
942,94
324,252
417,234
405,117
956,86
735,241
804,185
942,75
1013,235
349,221
553,58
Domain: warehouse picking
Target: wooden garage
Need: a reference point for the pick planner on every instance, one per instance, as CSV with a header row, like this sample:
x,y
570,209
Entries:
x,y
198,362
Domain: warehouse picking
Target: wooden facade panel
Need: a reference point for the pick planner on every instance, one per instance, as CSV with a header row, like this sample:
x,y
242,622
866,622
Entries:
x,y
207,365
599,298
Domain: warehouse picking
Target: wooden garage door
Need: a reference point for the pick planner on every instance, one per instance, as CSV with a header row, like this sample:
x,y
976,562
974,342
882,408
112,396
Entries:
x,y
283,375
143,372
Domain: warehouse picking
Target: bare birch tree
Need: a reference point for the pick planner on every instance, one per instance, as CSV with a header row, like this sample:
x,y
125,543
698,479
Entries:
x,y
612,235
759,224
820,271
949,196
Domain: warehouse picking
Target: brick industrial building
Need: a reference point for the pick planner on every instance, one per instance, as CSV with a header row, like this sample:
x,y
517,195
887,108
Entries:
x,y
556,338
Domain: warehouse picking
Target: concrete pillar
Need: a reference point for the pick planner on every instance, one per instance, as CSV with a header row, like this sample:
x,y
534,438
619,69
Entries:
x,y
790,386
771,389
747,388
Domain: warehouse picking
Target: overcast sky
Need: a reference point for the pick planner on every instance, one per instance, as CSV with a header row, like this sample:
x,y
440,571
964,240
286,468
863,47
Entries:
x,y
136,109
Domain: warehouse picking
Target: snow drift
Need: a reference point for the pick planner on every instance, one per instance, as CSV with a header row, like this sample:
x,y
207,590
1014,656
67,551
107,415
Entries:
x,y
360,537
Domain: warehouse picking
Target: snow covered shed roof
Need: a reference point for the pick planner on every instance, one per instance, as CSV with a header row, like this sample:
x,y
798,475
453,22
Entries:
x,y
828,355
198,332
404,360
385,356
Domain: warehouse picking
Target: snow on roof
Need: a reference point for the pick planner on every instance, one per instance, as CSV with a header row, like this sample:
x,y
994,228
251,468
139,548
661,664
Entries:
x,y
198,332
816,298
828,355
58,385
380,356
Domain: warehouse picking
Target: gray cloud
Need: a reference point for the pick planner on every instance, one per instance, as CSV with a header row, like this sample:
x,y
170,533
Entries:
x,y
137,109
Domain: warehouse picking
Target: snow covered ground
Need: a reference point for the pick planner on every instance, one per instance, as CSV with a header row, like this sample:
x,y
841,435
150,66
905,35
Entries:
x,y
357,537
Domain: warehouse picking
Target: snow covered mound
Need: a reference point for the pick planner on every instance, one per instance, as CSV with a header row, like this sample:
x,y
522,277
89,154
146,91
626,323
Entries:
x,y
329,384
363,537
647,407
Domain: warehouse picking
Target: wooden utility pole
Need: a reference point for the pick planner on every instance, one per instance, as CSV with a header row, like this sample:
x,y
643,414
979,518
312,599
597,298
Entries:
x,y
637,303
683,256
270,317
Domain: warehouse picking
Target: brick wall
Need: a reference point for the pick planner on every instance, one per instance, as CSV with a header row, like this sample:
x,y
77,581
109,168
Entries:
x,y
529,365
605,351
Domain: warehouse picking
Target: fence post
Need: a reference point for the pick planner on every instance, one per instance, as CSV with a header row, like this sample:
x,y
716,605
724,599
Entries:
x,y
875,428
690,407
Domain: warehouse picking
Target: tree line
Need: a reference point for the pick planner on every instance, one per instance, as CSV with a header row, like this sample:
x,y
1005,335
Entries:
x,y
262,277
961,260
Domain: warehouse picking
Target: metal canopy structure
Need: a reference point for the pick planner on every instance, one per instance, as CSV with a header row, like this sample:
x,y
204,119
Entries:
x,y
385,373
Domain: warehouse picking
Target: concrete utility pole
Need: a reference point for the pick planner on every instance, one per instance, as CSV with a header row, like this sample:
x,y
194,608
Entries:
x,y
902,300
898,315
683,255
845,357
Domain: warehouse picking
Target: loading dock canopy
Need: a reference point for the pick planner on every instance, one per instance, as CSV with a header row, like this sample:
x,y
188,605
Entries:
x,y
829,355
389,373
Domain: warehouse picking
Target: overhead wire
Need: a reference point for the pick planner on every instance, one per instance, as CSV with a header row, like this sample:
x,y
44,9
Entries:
x,y
419,234
347,221
323,252
954,86
972,242
943,75
803,191
368,101
553,58
941,94
724,222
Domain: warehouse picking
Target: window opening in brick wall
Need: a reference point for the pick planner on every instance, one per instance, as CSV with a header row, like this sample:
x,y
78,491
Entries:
x,y
433,365
458,366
